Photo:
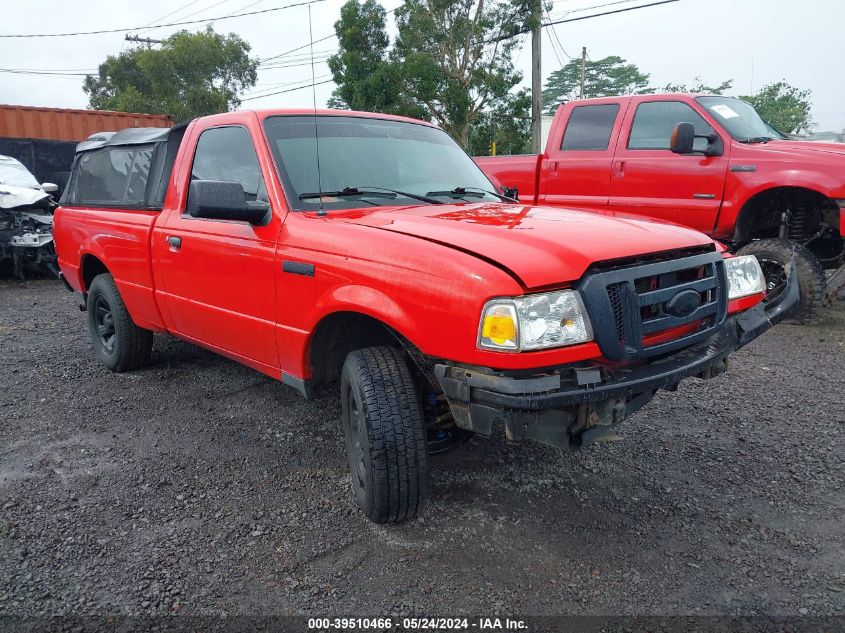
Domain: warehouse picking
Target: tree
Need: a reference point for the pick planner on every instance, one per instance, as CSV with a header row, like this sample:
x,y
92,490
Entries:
x,y
509,125
699,86
608,77
190,75
783,106
365,78
449,64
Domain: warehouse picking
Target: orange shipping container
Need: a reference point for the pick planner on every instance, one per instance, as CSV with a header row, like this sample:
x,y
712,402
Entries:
x,y
61,124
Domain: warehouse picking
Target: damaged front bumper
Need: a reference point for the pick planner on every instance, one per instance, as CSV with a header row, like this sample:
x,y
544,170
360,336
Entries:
x,y
573,406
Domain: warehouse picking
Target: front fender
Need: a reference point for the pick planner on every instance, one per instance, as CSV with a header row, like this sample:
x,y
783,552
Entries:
x,y
744,186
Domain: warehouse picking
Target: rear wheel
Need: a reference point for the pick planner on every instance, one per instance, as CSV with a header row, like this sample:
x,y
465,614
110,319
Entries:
x,y
118,343
385,434
774,255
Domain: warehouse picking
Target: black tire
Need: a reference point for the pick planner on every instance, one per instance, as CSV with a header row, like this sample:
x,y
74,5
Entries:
x,y
385,434
118,343
773,255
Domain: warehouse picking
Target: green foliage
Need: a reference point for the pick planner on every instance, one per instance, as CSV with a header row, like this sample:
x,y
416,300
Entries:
x,y
783,106
449,63
509,125
608,77
699,87
190,75
365,79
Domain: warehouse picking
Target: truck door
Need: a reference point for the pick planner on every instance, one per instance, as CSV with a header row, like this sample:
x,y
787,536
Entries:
x,y
577,172
219,275
648,179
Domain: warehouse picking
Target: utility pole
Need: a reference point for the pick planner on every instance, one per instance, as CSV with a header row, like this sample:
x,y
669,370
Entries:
x,y
583,70
536,80
148,40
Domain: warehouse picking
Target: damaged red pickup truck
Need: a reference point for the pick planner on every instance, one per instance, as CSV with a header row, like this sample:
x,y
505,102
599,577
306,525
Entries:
x,y
392,267
704,161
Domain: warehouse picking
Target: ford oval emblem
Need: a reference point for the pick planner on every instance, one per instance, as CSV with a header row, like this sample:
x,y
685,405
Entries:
x,y
684,303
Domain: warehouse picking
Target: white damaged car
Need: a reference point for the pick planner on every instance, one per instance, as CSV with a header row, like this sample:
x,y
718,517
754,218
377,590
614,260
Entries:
x,y
26,220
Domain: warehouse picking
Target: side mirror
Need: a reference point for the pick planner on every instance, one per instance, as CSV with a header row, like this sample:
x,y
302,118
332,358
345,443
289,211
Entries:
x,y
683,138
49,187
510,192
224,200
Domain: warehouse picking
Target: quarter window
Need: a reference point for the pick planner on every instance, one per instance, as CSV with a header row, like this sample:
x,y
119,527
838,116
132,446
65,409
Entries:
x,y
111,176
227,154
655,120
589,127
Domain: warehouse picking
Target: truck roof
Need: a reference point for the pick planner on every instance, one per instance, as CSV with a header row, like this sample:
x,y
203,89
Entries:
x,y
660,96
264,113
144,135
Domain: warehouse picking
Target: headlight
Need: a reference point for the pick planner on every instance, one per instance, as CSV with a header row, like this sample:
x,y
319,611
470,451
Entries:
x,y
551,319
744,276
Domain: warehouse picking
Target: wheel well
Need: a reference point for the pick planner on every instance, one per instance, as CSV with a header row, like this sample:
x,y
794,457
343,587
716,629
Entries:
x,y
760,216
341,333
91,267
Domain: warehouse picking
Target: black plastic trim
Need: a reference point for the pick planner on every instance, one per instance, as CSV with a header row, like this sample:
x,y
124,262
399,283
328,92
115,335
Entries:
x,y
298,268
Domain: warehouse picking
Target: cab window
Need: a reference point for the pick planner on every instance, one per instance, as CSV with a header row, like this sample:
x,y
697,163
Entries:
x,y
589,127
227,154
655,120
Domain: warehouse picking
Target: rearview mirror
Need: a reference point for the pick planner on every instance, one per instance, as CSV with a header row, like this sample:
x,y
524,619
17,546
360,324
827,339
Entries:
x,y
49,187
224,200
683,138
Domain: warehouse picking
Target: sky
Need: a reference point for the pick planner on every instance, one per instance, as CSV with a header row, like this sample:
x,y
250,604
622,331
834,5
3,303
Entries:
x,y
753,42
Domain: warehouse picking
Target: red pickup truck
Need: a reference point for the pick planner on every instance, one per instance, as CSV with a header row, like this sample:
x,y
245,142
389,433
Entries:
x,y
704,161
323,247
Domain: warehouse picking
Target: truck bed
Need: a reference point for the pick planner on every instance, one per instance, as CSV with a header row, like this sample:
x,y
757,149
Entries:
x,y
518,170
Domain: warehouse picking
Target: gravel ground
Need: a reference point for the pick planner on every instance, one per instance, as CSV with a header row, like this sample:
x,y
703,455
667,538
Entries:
x,y
198,486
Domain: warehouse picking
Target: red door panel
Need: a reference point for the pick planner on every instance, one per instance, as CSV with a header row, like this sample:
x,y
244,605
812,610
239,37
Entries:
x,y
577,172
648,179
219,276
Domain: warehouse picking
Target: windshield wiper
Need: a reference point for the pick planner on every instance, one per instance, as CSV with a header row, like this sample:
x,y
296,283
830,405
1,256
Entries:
x,y
369,192
473,192
758,139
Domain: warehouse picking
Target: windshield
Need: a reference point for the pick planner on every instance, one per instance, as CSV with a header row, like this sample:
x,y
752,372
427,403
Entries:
x,y
370,154
739,118
14,173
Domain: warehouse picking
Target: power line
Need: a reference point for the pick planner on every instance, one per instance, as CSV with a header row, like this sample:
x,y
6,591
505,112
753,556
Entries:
x,y
322,39
598,15
584,17
272,94
135,28
554,38
595,6
167,15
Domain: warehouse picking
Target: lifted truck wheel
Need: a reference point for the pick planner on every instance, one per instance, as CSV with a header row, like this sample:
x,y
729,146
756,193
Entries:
x,y
118,343
774,255
385,434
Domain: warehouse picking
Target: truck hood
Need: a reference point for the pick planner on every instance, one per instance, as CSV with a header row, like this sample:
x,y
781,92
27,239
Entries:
x,y
799,148
12,196
541,246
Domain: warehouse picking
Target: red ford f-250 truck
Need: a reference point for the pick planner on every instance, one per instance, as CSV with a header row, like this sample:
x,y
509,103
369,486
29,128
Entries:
x,y
705,161
389,265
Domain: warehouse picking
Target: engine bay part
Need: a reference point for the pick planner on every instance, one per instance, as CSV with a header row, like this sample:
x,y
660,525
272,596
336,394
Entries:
x,y
26,222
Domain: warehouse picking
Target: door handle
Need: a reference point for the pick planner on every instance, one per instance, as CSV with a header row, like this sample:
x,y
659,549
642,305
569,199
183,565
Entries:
x,y
174,242
620,168
554,168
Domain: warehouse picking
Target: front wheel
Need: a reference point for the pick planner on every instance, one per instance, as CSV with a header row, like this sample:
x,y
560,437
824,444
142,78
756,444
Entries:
x,y
385,434
774,255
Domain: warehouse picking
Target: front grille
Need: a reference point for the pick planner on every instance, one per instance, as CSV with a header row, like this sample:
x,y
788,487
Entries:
x,y
615,294
631,306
